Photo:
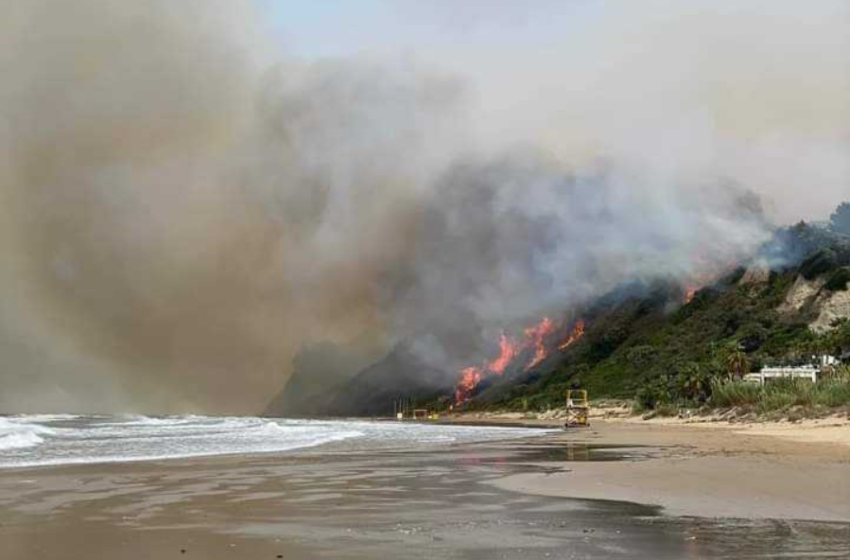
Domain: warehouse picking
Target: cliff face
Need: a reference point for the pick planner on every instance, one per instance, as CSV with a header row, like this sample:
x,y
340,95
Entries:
x,y
832,307
820,294
815,303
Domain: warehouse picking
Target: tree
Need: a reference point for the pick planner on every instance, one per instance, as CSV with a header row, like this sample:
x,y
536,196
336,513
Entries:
x,y
641,356
840,219
737,365
692,383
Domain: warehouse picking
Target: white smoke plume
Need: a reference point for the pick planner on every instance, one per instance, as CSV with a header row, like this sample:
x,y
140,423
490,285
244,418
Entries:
x,y
182,207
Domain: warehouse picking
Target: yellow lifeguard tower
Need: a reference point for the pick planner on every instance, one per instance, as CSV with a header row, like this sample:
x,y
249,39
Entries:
x,y
578,409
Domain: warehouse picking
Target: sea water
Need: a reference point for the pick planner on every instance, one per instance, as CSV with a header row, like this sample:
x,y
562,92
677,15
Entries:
x,y
62,439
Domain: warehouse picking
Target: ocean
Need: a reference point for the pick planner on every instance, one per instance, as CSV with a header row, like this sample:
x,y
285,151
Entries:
x,y
62,439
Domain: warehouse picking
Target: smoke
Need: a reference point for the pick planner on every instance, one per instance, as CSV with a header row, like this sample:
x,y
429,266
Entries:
x,y
507,240
754,91
182,208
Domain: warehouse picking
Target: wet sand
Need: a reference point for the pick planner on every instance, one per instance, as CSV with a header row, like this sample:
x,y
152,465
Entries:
x,y
484,501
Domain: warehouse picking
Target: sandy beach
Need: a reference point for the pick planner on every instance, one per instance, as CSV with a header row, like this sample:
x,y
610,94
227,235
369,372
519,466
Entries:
x,y
616,490
714,470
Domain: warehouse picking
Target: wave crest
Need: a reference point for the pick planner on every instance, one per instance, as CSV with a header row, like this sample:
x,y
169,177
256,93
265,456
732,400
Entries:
x,y
19,435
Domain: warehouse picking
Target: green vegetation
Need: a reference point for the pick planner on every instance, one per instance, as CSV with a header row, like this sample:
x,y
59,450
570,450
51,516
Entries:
x,y
781,395
737,364
840,220
639,349
735,393
641,344
820,263
839,280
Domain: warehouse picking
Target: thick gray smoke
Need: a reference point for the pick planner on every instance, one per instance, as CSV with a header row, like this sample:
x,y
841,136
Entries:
x,y
505,241
182,209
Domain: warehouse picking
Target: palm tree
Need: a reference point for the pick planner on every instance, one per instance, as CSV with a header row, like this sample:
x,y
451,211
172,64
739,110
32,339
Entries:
x,y
737,365
691,381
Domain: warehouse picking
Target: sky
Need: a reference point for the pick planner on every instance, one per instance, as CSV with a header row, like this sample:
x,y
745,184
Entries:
x,y
744,86
344,28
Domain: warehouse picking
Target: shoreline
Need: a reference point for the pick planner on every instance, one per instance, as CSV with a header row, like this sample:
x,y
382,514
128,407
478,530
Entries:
x,y
771,470
829,430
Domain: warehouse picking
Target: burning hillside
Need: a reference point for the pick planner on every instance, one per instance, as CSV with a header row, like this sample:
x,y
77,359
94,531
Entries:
x,y
635,338
517,356
576,335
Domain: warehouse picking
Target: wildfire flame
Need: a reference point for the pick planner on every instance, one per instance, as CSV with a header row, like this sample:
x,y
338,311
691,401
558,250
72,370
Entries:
x,y
536,338
472,376
507,352
469,380
575,335
709,276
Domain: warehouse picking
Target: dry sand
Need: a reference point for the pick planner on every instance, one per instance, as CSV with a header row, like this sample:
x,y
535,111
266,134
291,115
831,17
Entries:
x,y
768,472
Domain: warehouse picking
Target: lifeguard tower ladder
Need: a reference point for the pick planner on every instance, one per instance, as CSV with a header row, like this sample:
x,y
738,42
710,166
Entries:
x,y
578,409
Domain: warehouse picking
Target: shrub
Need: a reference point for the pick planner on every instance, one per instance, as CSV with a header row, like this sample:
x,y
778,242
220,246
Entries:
x,y
820,263
781,394
650,397
773,401
840,219
641,356
690,384
839,280
667,410
734,393
833,393
799,391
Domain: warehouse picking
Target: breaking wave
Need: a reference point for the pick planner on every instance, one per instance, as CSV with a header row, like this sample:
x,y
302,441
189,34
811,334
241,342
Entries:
x,y
43,440
20,435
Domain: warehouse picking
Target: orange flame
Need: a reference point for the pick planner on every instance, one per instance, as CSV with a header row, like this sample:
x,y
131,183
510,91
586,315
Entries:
x,y
575,335
469,380
507,353
536,338
472,376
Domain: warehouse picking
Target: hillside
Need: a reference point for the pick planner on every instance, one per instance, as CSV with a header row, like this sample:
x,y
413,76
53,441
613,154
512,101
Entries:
x,y
650,342
650,346
342,390
319,372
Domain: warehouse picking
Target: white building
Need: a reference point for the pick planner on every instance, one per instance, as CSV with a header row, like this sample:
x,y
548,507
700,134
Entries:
x,y
798,372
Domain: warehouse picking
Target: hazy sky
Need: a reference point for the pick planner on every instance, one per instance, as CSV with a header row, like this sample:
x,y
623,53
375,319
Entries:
x,y
342,28
754,91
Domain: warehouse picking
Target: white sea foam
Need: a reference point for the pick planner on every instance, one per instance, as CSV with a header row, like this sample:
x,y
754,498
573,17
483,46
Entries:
x,y
18,441
17,434
41,440
37,418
